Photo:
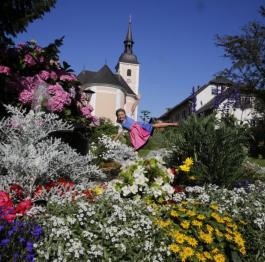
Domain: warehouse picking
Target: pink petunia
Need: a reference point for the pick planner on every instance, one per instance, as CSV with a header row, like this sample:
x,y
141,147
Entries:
x,y
53,75
86,111
5,70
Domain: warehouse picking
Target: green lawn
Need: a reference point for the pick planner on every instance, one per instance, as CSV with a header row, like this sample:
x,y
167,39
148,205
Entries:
x,y
258,161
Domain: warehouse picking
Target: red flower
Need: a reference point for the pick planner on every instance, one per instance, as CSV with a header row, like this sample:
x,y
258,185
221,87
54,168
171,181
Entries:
x,y
5,200
17,189
7,211
178,189
23,207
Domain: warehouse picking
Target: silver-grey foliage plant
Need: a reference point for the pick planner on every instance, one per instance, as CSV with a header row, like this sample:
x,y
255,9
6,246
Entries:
x,y
29,156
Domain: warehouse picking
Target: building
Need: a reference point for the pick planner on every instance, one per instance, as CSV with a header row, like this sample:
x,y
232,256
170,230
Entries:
x,y
219,95
114,90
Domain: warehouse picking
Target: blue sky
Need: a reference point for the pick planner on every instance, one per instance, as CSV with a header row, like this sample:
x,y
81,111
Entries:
x,y
174,40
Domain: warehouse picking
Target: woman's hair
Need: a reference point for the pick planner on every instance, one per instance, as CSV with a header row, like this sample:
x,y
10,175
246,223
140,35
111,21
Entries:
x,y
120,110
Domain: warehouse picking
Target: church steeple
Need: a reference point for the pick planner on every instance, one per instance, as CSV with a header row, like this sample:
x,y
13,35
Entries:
x,y
127,56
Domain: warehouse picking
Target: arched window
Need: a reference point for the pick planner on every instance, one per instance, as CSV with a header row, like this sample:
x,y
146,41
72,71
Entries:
x,y
129,72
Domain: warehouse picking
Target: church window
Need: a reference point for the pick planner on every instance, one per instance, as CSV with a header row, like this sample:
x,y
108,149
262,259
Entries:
x,y
129,72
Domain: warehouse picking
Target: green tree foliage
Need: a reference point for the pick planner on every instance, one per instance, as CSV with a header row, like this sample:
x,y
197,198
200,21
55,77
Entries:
x,y
15,15
247,54
217,148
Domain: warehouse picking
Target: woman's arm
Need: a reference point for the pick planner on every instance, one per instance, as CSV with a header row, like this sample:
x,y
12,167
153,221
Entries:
x,y
135,104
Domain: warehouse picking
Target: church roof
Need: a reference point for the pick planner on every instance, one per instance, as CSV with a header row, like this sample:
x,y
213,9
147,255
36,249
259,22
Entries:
x,y
104,76
128,56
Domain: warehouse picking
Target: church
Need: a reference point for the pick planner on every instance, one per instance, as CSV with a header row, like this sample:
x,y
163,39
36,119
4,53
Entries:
x,y
114,90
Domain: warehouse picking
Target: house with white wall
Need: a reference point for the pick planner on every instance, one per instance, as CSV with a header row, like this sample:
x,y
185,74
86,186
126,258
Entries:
x,y
219,95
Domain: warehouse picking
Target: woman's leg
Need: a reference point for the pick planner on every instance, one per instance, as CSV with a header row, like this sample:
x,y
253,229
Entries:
x,y
162,124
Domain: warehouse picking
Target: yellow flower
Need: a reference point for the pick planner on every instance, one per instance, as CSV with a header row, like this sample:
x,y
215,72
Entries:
x,y
217,217
98,190
185,224
174,248
201,217
219,258
163,223
196,223
214,206
188,161
179,237
239,240
200,257
181,209
193,178
207,238
191,213
219,233
192,241
209,228
174,213
215,251
227,219
207,255
228,237
243,251
184,168
187,252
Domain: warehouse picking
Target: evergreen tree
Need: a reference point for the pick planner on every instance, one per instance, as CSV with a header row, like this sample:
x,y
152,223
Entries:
x,y
15,15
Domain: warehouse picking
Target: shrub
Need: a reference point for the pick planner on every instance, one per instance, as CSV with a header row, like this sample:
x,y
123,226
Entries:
x,y
29,158
216,147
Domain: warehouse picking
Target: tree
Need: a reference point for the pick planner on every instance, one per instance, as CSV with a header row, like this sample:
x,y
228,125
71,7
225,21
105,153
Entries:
x,y
145,115
15,15
247,54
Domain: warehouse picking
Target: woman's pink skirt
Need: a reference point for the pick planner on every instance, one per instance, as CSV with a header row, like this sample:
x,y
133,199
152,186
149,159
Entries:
x,y
139,136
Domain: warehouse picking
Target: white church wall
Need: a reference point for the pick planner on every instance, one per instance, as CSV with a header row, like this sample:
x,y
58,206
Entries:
x,y
133,80
204,96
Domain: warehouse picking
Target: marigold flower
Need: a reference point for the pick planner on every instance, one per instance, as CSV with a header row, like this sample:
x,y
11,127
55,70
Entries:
x,y
188,161
207,238
201,217
187,252
192,241
184,168
191,213
201,257
214,206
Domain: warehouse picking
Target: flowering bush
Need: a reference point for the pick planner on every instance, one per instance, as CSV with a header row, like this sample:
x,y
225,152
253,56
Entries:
x,y
201,233
111,229
29,158
148,178
35,77
17,240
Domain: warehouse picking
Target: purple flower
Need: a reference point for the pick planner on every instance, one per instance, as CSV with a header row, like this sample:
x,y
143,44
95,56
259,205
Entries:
x,y
29,246
37,232
4,242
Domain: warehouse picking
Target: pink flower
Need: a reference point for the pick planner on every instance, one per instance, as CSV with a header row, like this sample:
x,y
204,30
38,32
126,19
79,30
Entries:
x,y
60,98
7,211
41,59
70,77
28,59
86,111
53,75
44,75
25,97
5,70
23,207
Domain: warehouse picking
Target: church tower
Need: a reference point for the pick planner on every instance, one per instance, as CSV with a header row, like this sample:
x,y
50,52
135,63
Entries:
x,y
128,66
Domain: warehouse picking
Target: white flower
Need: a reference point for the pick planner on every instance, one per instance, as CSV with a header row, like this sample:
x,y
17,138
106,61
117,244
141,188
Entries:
x,y
168,188
159,181
134,188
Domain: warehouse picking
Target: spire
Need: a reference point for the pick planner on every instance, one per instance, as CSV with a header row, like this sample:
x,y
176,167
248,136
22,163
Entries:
x,y
128,42
127,56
